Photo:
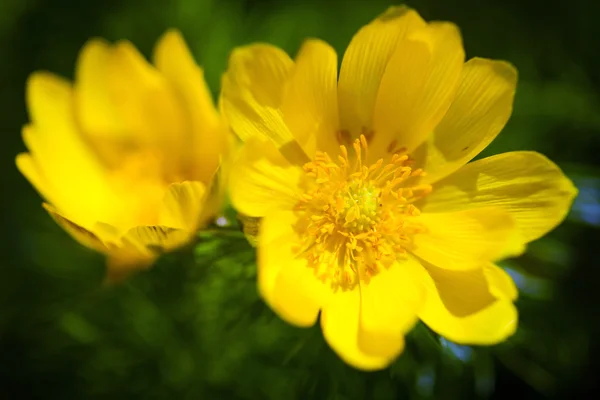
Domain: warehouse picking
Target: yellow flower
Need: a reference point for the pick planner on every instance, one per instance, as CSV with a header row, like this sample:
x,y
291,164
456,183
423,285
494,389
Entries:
x,y
371,216
127,157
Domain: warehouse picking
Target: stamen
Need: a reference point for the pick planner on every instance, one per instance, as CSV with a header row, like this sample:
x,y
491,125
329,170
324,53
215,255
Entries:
x,y
357,216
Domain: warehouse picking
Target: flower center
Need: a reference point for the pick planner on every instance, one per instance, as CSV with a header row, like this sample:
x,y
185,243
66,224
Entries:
x,y
356,219
359,206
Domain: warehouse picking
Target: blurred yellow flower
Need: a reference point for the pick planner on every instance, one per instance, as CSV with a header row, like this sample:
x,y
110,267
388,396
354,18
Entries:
x,y
371,216
127,157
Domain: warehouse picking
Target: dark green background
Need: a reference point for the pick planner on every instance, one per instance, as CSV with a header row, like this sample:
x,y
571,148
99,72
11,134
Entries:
x,y
193,327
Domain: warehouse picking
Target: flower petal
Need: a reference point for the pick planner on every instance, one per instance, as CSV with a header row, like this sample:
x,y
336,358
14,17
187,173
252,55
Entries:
x,y
123,256
364,64
218,186
252,90
262,180
340,324
465,239
286,282
480,109
173,59
388,308
275,231
82,235
309,105
500,283
28,167
156,239
134,251
182,205
417,88
208,139
461,307
525,184
61,154
140,246
95,109
147,103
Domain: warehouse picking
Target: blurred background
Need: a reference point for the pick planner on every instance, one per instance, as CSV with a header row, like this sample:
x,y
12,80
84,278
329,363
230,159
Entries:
x,y
193,327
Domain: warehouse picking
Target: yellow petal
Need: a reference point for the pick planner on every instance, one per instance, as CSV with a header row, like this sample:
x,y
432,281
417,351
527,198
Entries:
x,y
252,90
61,154
82,235
309,105
95,109
27,166
480,109
136,246
137,250
526,184
364,64
155,239
206,143
173,59
147,103
500,283
262,180
417,88
460,307
286,282
217,187
464,239
182,205
275,231
340,324
250,227
129,257
388,308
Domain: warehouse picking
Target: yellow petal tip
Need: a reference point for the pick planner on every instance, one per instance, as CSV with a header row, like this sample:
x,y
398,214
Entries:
x,y
394,12
171,37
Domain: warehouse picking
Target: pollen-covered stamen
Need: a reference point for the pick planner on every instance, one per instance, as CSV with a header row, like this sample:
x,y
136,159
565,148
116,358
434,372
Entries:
x,y
357,209
356,217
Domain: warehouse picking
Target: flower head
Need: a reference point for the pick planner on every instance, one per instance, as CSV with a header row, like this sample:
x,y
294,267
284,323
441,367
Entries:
x,y
127,156
371,217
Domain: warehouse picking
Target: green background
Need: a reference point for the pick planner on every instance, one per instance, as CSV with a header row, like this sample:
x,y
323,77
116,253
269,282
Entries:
x,y
193,327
